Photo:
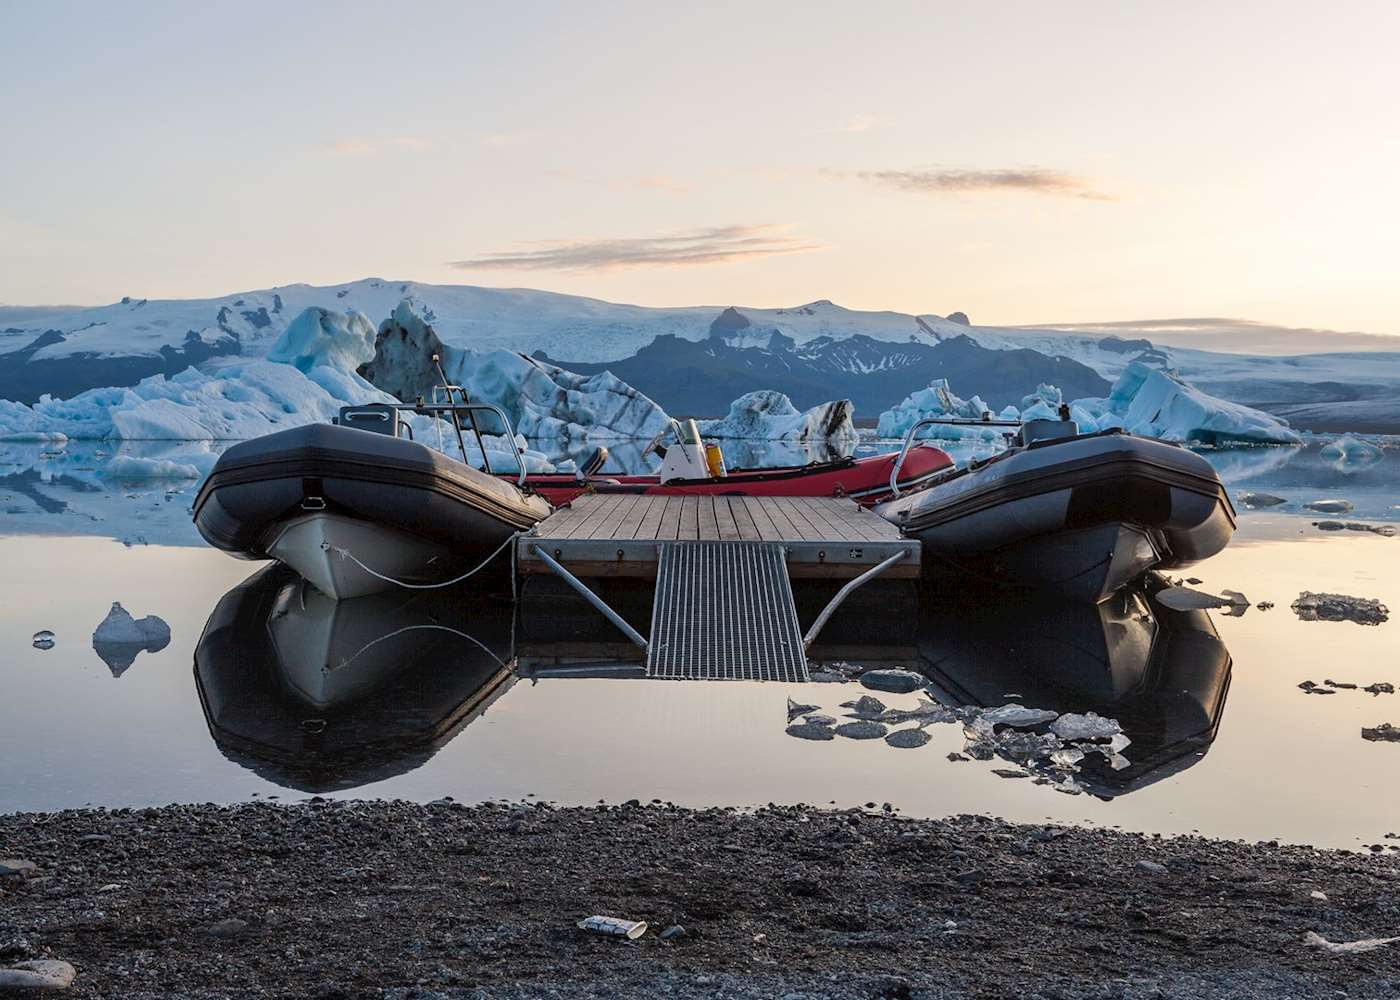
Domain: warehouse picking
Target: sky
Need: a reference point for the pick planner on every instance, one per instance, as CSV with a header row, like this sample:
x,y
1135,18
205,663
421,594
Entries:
x,y
1022,162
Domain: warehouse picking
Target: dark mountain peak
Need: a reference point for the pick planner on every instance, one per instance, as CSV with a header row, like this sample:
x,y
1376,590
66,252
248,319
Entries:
x,y
1120,346
958,317
781,342
729,321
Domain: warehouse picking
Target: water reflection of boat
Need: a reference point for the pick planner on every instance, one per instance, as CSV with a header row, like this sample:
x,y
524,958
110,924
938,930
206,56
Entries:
x,y
317,694
1162,674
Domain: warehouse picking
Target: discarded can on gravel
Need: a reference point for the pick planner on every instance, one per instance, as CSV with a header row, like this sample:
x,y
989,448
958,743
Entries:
x,y
614,927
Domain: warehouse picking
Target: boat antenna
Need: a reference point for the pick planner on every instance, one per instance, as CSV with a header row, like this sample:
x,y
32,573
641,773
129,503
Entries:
x,y
456,423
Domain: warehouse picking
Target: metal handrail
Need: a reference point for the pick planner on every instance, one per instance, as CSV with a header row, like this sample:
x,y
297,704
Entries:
x,y
928,422
429,409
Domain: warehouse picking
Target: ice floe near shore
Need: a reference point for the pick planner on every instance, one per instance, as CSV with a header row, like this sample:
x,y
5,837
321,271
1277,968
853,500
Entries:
x,y
1143,401
769,415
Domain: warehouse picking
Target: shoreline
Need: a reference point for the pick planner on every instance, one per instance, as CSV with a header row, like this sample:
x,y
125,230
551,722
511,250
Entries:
x,y
394,899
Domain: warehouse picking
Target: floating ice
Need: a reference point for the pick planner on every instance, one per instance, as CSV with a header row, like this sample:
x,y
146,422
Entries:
x,y
1017,715
1311,607
925,713
811,731
1153,403
938,401
908,739
1143,401
864,707
894,681
1384,530
1186,599
794,709
769,415
138,467
43,639
1089,726
1330,506
1351,451
1256,500
120,638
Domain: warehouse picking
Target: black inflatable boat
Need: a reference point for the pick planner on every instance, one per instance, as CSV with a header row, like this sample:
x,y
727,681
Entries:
x,y
1077,514
351,510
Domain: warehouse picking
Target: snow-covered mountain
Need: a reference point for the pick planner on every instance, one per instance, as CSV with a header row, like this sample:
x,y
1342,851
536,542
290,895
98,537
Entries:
x,y
813,352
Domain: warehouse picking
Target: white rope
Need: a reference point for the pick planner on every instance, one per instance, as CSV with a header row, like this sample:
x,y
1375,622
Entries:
x,y
345,553
415,628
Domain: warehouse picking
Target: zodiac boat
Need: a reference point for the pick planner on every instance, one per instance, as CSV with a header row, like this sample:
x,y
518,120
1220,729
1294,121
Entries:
x,y
1080,515
353,511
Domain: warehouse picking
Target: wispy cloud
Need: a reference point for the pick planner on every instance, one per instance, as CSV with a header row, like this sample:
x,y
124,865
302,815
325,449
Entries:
x,y
368,147
1029,180
719,245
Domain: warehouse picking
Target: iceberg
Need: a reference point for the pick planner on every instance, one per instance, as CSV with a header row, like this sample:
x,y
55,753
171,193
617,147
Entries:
x,y
541,400
1143,401
769,415
233,402
320,338
120,638
1156,404
938,401
1351,452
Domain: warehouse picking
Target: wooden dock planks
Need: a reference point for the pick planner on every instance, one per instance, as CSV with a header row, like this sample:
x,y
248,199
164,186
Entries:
x,y
621,534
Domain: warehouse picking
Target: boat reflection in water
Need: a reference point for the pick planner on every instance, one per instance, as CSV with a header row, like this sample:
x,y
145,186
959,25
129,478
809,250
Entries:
x,y
317,695
1163,674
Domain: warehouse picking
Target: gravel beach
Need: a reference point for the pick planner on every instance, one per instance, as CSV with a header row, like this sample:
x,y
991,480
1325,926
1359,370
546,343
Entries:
x,y
393,899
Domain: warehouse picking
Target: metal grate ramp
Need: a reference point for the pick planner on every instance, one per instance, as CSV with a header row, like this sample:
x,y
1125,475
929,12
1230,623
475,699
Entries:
x,y
724,611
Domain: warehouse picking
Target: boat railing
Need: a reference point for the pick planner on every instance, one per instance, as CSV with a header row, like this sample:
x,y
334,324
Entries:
x,y
455,410
914,428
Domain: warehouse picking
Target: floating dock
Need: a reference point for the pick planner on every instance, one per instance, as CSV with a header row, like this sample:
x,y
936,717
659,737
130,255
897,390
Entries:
x,y
611,535
723,606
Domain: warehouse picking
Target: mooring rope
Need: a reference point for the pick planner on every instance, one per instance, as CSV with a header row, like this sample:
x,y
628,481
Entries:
x,y
345,553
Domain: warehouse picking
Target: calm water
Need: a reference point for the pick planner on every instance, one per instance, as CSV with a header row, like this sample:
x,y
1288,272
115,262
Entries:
x,y
431,697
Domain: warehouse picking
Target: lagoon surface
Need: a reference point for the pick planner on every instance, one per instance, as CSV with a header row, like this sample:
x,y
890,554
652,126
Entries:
x,y
146,727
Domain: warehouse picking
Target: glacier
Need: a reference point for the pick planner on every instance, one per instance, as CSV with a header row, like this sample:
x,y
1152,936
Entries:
x,y
1351,387
1144,400
769,415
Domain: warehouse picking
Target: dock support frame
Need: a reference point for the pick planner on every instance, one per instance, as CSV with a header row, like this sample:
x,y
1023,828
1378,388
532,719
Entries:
x,y
841,595
589,596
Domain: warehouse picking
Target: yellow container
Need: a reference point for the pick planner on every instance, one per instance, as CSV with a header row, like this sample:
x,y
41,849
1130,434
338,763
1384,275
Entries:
x,y
714,458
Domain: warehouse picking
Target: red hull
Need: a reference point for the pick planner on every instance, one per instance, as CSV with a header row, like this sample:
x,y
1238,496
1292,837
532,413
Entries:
x,y
866,480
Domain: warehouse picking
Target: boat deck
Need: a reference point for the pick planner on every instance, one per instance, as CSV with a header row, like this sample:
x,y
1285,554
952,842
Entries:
x,y
623,535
